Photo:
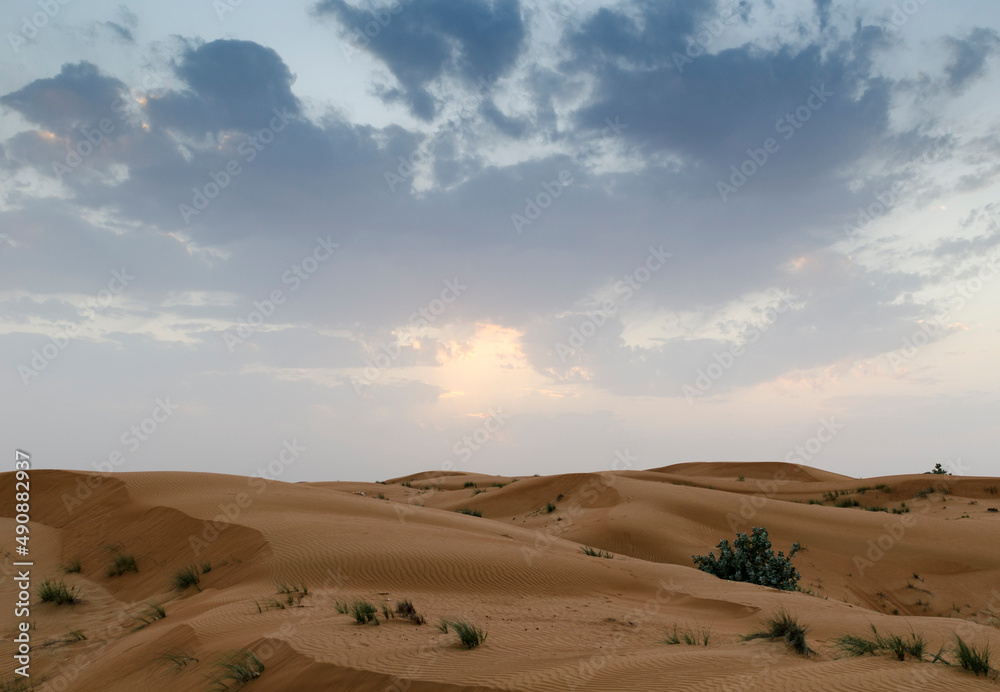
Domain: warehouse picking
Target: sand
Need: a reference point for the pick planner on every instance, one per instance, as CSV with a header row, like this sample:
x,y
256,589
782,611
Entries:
x,y
556,618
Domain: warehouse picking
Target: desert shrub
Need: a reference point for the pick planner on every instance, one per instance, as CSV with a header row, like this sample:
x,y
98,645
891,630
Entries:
x,y
238,668
782,625
751,559
550,508
52,591
470,635
896,644
991,489
972,657
470,512
847,502
938,470
593,552
121,564
406,610
363,612
688,636
71,567
469,484
185,577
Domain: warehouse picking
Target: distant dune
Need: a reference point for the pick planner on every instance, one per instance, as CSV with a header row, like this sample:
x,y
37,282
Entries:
x,y
273,560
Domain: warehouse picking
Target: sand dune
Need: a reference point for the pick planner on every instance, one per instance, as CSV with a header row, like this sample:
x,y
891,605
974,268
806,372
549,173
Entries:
x,y
556,618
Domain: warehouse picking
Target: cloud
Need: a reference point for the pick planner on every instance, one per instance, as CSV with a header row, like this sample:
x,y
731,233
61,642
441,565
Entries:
x,y
969,56
79,95
424,42
231,85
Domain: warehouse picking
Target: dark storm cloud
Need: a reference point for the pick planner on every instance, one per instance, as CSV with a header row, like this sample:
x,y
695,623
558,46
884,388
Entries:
x,y
422,41
968,57
231,84
709,109
79,94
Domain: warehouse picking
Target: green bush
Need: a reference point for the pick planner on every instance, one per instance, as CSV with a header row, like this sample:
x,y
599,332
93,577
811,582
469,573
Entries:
x,y
593,552
470,512
470,635
363,612
751,559
971,657
185,577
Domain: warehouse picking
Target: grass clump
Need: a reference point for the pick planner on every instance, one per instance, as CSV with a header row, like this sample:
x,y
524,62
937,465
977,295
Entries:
x,y
363,612
895,644
847,502
185,577
153,613
972,657
121,564
750,559
237,669
72,567
469,484
206,567
550,507
470,512
406,610
593,552
688,636
781,625
52,591
176,658
468,634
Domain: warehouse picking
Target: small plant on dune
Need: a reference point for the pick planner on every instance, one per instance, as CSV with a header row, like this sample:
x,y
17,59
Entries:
x,y
363,612
847,502
406,484
176,658
206,567
750,559
741,478
185,577
782,625
898,645
688,636
498,485
238,668
121,564
938,470
468,634
52,591
593,552
470,512
387,614
77,635
550,508
991,489
469,484
341,608
153,613
443,626
406,610
292,588
381,496
972,657
71,567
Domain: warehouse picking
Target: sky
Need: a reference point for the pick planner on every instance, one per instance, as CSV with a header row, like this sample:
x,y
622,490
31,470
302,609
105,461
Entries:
x,y
346,241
